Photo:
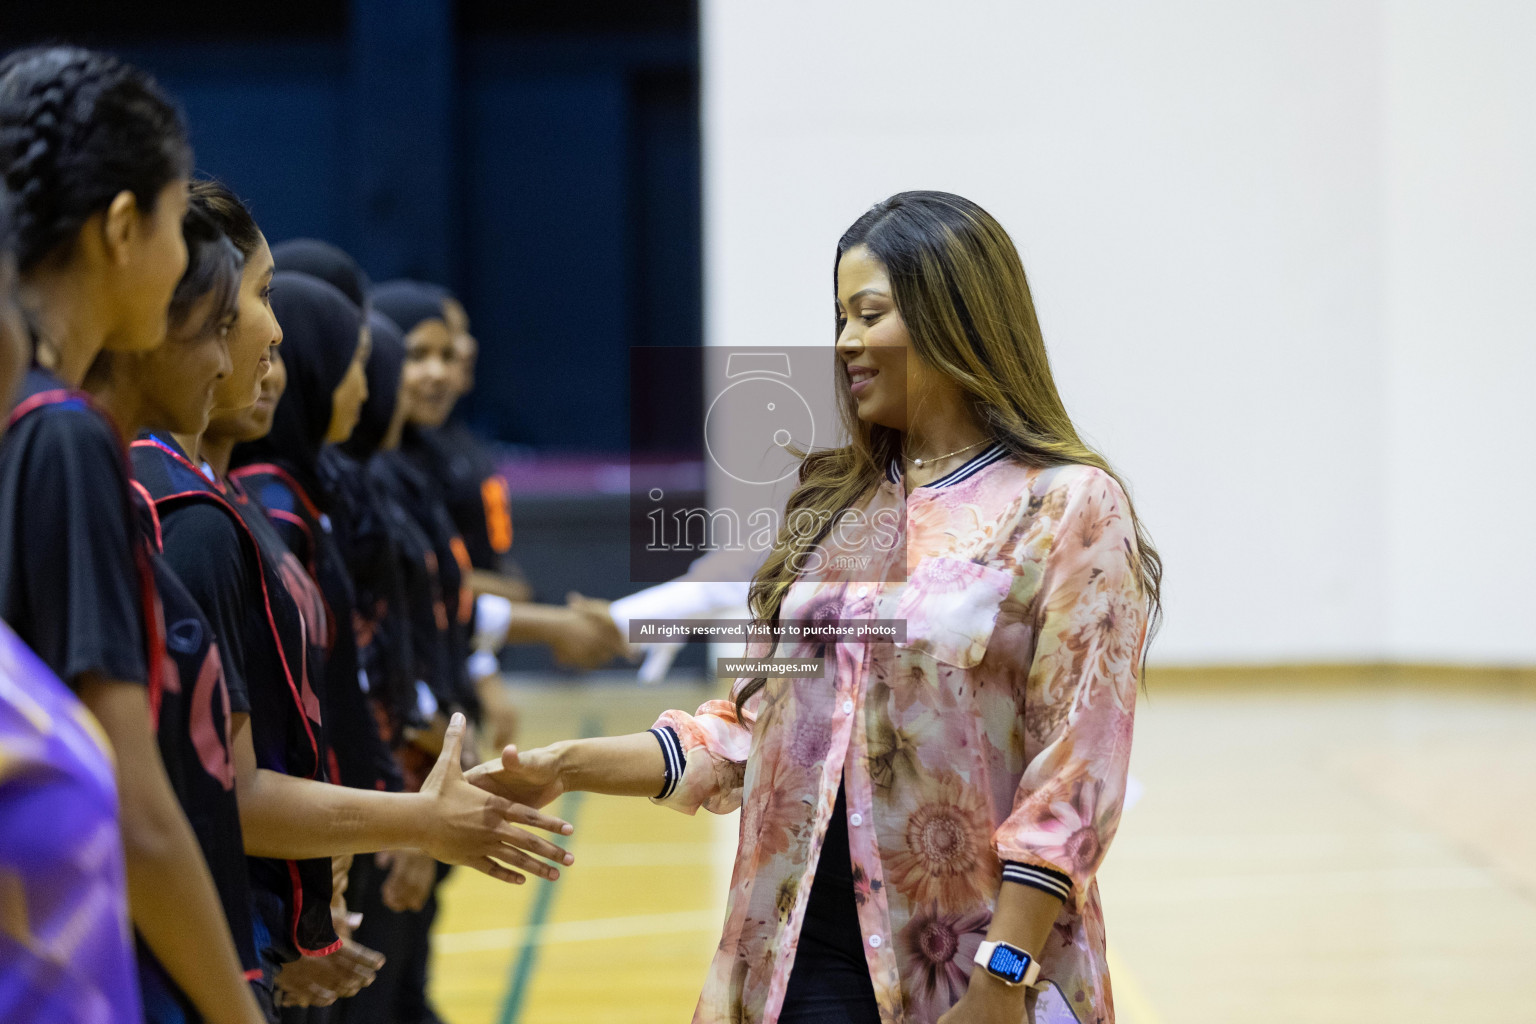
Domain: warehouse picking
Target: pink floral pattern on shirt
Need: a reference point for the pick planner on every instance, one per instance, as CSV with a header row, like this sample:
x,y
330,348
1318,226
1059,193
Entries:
x,y
998,731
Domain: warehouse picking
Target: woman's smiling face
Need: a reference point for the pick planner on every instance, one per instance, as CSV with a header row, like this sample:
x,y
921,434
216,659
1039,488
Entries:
x,y
427,379
872,340
253,336
892,385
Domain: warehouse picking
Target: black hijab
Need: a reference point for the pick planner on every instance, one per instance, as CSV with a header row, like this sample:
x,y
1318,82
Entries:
x,y
385,363
320,333
325,261
408,303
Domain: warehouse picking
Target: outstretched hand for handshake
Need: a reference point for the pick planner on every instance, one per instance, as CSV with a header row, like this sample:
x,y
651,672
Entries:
x,y
471,825
528,777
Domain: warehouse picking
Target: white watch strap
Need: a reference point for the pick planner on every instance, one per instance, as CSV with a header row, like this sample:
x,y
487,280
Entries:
x,y
984,957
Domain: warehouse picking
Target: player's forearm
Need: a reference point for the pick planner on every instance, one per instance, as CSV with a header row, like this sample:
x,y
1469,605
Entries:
x,y
295,819
536,623
483,581
177,910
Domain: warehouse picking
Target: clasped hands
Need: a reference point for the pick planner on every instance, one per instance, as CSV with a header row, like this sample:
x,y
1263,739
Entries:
x,y
588,637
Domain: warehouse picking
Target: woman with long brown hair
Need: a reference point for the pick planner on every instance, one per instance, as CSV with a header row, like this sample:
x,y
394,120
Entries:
x,y
920,831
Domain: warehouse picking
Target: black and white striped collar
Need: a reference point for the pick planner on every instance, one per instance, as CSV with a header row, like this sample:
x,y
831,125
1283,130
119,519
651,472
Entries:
x,y
975,465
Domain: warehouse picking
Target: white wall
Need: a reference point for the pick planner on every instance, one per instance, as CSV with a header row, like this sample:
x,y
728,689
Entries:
x,y
1461,300
1265,239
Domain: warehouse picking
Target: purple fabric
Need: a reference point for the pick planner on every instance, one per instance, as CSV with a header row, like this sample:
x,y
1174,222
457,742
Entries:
x,y
65,952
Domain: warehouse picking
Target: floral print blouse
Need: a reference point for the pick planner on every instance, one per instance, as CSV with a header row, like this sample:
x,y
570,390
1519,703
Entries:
x,y
990,746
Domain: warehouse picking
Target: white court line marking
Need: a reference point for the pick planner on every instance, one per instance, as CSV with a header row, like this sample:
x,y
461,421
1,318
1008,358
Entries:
x,y
590,930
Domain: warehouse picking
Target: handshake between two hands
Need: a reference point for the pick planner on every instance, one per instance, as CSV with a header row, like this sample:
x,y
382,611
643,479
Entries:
x,y
586,635
475,813
473,820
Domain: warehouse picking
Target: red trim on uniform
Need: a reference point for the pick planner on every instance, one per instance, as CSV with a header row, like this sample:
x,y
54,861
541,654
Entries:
x,y
266,598
54,397
154,442
309,537
269,469
298,902
254,974
312,558
154,513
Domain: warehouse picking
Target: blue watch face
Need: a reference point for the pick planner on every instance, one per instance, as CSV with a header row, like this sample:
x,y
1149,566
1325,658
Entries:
x,y
1008,963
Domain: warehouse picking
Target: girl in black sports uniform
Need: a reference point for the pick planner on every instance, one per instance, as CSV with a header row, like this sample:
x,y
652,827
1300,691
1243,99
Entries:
x,y
255,599
268,619
372,548
314,980
170,388
95,159
325,346
325,354
359,525
575,636
409,633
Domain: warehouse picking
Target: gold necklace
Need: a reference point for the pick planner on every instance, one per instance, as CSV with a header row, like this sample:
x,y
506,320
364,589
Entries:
x,y
919,463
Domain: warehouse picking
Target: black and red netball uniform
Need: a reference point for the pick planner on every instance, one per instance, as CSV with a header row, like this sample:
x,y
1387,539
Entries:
x,y
81,583
191,707
72,584
322,333
263,611
360,757
372,553
407,475
474,493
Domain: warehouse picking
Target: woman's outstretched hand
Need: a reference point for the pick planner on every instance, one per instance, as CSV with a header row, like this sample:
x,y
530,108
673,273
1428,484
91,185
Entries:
x,y
470,825
529,777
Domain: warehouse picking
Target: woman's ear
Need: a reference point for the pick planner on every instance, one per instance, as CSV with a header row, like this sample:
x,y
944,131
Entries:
x,y
120,222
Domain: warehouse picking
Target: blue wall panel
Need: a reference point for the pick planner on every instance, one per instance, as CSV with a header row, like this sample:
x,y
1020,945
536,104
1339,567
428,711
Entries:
x,y
550,178
548,158
268,119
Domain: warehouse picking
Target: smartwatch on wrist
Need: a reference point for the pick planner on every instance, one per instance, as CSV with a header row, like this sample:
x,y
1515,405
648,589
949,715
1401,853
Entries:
x,y
1008,963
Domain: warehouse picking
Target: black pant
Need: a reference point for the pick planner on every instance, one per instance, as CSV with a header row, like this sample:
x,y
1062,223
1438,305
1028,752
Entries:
x,y
830,980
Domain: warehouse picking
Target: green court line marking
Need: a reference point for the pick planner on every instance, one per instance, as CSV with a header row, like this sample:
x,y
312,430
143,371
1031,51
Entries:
x,y
538,916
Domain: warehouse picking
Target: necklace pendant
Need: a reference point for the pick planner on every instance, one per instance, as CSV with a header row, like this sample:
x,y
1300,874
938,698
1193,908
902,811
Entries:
x,y
918,463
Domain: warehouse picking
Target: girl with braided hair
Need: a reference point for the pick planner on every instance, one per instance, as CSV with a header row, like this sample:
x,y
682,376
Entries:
x,y
96,161
65,954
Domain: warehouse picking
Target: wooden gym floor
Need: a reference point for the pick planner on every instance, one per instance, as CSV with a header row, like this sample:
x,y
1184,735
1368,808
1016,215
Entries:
x,y
1309,846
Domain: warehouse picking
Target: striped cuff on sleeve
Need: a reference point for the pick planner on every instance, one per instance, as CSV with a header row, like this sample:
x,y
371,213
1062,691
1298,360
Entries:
x,y
671,757
1036,877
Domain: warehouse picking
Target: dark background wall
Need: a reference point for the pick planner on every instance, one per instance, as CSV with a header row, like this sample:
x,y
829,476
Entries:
x,y
542,160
